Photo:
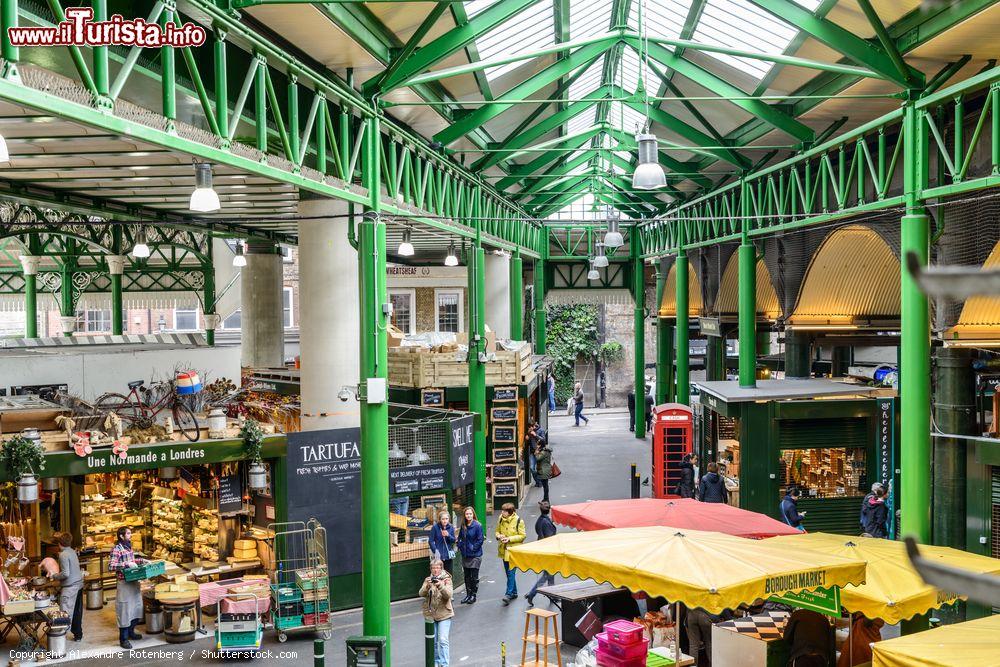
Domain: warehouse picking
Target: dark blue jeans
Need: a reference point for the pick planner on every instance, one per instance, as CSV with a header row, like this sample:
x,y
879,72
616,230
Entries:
x,y
579,414
552,400
511,580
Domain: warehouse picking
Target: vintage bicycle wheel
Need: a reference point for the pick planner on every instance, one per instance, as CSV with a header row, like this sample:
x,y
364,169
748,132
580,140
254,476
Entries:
x,y
186,422
123,406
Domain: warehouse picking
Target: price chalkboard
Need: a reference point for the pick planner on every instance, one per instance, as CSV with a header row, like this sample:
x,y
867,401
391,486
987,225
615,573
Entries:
x,y
504,434
432,398
462,452
503,414
504,454
230,494
504,394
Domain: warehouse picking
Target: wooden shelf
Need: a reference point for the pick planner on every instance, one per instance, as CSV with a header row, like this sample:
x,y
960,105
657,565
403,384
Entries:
x,y
539,663
540,640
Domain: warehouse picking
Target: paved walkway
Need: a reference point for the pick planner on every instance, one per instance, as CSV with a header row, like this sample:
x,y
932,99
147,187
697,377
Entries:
x,y
595,461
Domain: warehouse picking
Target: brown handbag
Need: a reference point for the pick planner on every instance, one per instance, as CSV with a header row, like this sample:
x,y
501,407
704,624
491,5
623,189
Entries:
x,y
555,470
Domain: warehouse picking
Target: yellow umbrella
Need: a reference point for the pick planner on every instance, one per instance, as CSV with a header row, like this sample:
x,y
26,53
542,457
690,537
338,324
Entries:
x,y
697,568
969,644
893,591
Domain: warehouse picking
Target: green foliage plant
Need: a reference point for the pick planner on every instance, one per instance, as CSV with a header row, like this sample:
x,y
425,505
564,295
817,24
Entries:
x,y
571,332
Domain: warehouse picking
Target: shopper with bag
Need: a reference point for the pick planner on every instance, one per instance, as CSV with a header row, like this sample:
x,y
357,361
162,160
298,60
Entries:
x,y
510,532
442,540
470,545
545,467
543,528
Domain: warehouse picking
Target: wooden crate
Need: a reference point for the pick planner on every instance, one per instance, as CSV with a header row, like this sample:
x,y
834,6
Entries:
x,y
410,368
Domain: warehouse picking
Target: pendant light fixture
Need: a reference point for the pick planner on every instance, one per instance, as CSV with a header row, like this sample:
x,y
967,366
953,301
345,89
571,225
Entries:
x,y
593,274
140,250
406,245
613,238
240,258
204,199
649,175
600,259
452,258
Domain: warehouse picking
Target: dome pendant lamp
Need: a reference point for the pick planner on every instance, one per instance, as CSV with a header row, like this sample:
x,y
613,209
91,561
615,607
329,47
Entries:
x,y
406,246
613,238
593,274
452,258
649,175
600,259
141,247
204,199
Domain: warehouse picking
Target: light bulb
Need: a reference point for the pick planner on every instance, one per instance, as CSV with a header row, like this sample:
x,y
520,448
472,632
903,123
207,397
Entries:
x,y
140,249
649,175
204,199
240,258
452,258
405,247
613,237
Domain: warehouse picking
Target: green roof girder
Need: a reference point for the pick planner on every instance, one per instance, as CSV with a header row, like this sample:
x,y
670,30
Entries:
x,y
671,163
539,186
523,171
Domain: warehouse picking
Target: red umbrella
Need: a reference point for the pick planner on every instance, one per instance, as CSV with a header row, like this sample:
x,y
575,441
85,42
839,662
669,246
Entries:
x,y
676,513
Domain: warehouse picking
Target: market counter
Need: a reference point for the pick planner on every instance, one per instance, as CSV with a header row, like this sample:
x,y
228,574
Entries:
x,y
751,641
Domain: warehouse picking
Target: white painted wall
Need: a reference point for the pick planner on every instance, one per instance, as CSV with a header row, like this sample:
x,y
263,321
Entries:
x,y
92,373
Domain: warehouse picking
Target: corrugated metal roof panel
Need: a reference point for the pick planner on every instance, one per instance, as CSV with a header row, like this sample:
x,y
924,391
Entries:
x,y
668,306
727,302
982,311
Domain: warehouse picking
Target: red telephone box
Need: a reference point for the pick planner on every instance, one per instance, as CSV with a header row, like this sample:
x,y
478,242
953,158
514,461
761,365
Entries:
x,y
673,435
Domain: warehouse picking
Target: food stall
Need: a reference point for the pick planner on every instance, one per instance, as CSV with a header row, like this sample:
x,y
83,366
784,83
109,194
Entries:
x,y
831,439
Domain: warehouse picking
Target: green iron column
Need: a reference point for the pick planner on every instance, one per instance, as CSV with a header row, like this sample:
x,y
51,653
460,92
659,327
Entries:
x,y
212,319
477,369
67,306
798,354
116,268
915,340
664,343
374,416
639,323
539,306
715,357
8,19
747,310
516,297
683,328
29,266
954,413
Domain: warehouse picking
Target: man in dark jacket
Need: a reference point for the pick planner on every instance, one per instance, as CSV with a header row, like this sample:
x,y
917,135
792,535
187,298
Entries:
x,y
712,488
543,528
685,487
809,636
874,512
650,404
790,508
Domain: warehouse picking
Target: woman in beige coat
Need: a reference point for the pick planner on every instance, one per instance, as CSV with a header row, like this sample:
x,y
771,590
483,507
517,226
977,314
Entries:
x,y
436,595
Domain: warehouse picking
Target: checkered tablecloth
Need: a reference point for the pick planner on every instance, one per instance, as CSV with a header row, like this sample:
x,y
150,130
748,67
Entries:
x,y
767,627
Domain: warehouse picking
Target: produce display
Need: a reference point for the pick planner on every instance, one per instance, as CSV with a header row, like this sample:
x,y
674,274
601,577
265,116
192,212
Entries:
x,y
205,527
171,530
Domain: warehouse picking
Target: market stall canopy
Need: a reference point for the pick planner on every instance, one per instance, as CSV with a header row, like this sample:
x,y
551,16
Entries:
x,y
684,513
969,644
893,591
697,568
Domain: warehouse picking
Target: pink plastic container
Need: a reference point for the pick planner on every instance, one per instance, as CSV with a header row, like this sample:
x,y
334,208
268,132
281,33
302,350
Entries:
x,y
605,659
624,633
621,651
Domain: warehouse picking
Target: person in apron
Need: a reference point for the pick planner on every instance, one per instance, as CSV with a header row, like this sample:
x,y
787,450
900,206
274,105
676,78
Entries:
x,y
128,599
71,578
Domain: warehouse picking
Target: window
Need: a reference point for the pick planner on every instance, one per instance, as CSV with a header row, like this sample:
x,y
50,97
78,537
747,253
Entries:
x,y
286,306
234,321
186,318
528,30
403,309
448,310
286,254
93,321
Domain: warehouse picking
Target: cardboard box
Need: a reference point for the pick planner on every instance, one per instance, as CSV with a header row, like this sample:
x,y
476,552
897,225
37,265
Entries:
x,y
394,336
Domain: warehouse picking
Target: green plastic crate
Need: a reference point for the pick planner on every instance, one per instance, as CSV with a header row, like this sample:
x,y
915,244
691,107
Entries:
x,y
284,622
310,607
285,593
237,639
145,571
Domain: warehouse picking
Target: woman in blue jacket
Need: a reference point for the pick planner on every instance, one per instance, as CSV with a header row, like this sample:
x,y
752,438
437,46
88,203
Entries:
x,y
470,543
442,540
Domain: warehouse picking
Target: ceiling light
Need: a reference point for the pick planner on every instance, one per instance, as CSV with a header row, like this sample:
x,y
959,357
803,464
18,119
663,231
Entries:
x,y
600,259
140,249
649,174
452,258
204,199
396,454
405,247
593,274
240,258
613,238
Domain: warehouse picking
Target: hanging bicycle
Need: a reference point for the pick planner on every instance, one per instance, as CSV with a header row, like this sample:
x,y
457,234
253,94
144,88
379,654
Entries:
x,y
142,405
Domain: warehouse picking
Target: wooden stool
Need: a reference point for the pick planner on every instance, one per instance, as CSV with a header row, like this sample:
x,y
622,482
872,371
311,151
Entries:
x,y
541,637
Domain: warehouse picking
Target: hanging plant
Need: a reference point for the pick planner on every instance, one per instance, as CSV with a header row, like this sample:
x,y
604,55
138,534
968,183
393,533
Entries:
x,y
24,460
611,352
253,440
571,333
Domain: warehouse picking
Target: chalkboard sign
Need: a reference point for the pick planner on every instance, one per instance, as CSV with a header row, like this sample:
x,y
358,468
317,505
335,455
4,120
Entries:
x,y
504,434
406,486
426,478
324,482
463,449
505,471
230,494
503,414
504,394
432,398
504,489
504,454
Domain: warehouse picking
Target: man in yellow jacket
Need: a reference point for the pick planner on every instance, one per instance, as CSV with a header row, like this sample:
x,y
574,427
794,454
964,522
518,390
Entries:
x,y
510,531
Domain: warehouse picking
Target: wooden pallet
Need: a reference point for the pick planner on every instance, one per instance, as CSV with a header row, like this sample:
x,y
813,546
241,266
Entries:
x,y
413,367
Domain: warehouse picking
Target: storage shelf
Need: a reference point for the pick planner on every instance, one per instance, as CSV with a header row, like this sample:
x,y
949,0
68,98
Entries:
x,y
539,640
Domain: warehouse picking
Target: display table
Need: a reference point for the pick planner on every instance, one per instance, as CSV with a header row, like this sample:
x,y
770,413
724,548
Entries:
x,y
574,599
28,627
203,572
751,641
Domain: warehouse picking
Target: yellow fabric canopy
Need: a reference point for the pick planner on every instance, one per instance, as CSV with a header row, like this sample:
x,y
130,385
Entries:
x,y
893,591
970,644
697,568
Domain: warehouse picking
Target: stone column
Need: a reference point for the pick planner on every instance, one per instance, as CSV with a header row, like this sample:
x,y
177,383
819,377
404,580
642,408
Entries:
x,y
497,278
116,267
329,315
29,265
263,332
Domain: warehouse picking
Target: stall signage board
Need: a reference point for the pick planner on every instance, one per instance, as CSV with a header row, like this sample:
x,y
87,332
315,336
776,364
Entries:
x,y
432,398
710,326
823,600
230,494
463,469
504,394
324,482
503,414
413,479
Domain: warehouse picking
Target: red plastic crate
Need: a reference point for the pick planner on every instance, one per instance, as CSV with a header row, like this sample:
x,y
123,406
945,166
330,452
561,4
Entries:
x,y
623,651
312,619
605,659
623,633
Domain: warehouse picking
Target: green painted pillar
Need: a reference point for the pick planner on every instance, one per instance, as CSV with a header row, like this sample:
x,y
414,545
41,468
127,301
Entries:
x,y
763,343
67,306
476,272
516,297
664,344
915,341
715,358
639,324
954,412
374,416
539,306
683,329
748,313
116,264
798,354
840,360
29,266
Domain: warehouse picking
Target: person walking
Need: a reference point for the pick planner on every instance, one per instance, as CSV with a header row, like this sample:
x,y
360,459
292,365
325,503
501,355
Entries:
x,y
128,597
551,386
543,528
536,435
510,531
790,510
578,404
874,512
685,487
543,467
650,404
442,540
71,578
435,594
470,545
712,488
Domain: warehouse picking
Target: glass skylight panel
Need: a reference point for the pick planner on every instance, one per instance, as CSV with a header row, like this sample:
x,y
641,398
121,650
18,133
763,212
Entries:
x,y
627,75
588,82
663,18
529,30
626,118
740,24
582,121
589,18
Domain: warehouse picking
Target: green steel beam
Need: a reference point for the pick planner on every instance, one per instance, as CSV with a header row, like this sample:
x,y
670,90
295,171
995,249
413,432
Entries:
x,y
408,49
460,17
639,334
538,301
524,171
821,11
683,326
516,297
889,45
476,271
